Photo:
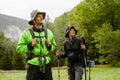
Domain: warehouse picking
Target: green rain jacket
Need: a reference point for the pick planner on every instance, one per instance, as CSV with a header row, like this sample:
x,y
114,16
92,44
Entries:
x,y
38,49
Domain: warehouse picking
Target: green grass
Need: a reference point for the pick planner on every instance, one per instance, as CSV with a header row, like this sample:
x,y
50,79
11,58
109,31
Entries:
x,y
105,73
12,75
97,73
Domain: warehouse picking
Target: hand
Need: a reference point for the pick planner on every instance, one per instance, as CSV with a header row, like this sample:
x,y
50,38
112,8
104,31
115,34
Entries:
x,y
58,53
48,42
34,42
83,47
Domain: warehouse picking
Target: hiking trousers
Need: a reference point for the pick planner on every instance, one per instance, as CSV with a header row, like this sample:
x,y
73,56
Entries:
x,y
75,73
34,73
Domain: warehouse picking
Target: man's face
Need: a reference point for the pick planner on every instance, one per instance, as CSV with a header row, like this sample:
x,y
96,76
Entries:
x,y
72,32
39,19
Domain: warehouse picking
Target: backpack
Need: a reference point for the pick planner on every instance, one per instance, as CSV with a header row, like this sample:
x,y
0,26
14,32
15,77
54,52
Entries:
x,y
31,55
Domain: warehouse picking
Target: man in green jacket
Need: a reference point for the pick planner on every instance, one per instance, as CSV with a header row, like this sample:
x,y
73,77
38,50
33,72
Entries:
x,y
39,67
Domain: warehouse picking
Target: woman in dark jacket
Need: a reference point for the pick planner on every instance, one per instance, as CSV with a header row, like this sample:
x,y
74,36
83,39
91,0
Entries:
x,y
73,48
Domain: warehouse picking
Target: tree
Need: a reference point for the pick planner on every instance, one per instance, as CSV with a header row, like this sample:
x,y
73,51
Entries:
x,y
9,57
19,62
7,53
107,43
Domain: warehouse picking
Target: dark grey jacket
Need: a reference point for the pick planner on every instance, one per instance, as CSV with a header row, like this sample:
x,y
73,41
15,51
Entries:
x,y
73,51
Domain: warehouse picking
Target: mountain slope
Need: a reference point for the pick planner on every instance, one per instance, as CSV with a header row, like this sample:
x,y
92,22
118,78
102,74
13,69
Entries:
x,y
12,26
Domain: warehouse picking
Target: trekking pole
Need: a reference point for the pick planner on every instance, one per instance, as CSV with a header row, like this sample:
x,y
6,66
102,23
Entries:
x,y
89,65
58,65
89,73
58,69
85,62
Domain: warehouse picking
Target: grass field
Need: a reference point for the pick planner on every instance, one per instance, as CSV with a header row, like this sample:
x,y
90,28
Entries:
x,y
97,73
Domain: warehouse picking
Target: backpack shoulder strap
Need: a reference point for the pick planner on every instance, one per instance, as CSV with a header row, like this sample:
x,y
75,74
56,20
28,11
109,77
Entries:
x,y
83,41
32,32
45,31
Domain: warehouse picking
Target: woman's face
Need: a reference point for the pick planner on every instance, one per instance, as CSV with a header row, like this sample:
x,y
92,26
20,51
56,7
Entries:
x,y
72,33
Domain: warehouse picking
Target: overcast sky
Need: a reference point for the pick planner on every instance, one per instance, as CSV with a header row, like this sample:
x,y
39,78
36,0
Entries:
x,y
23,8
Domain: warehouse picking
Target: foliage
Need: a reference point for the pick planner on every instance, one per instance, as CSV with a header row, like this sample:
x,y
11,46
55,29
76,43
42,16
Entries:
x,y
107,43
6,63
8,52
60,25
6,55
19,62
7,59
91,14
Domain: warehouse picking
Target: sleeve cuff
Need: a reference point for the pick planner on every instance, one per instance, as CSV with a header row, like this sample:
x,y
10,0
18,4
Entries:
x,y
49,48
30,47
